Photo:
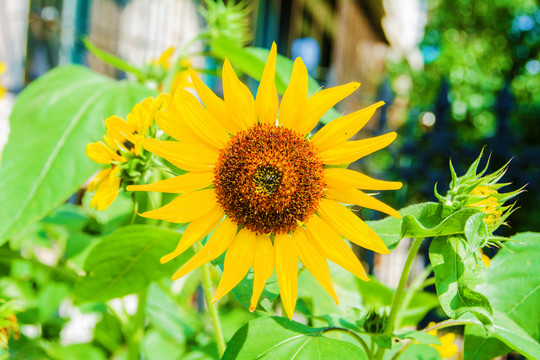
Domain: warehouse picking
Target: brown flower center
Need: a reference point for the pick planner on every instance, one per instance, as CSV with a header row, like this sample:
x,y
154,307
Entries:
x,y
268,178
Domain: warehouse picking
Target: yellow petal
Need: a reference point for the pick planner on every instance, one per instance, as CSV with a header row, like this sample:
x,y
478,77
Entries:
x,y
96,180
196,230
319,103
345,223
218,243
345,178
169,121
237,262
184,155
200,120
179,184
214,104
109,195
342,129
263,267
351,151
286,271
295,96
314,261
238,99
266,103
101,153
106,192
356,197
120,132
333,247
186,207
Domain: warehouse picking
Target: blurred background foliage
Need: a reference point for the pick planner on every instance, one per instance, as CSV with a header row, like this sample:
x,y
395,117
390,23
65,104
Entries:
x,y
479,86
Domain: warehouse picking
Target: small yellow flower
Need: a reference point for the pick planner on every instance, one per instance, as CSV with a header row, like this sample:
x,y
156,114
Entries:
x,y
2,70
164,59
182,79
271,195
447,348
7,331
122,142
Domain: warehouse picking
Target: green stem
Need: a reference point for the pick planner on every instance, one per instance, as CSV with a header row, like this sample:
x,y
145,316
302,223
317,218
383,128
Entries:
x,y
415,286
137,323
398,296
355,336
212,309
428,282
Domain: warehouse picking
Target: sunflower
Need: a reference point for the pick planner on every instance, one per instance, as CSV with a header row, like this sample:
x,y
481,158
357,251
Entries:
x,y
122,143
270,194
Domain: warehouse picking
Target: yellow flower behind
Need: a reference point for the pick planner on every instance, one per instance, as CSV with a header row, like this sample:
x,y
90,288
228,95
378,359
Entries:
x,y
122,142
447,348
6,331
2,70
271,195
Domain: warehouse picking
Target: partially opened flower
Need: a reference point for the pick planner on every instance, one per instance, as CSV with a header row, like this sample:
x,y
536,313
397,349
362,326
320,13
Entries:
x,y
270,195
122,143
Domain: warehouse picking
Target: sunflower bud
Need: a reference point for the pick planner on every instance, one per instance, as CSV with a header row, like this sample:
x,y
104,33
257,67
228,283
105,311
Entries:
x,y
228,20
375,321
480,191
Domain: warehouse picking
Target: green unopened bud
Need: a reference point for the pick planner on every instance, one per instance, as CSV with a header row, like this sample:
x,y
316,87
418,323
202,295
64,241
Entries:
x,y
230,20
375,321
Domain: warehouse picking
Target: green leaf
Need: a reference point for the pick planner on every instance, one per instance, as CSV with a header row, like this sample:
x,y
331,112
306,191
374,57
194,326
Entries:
x,y
476,231
420,336
420,352
44,161
279,338
158,346
382,340
432,222
112,60
76,351
513,288
180,322
454,277
478,346
127,261
390,228
251,60
243,291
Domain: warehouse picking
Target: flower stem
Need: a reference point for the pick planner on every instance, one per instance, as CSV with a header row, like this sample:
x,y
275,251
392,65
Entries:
x,y
398,296
355,336
212,309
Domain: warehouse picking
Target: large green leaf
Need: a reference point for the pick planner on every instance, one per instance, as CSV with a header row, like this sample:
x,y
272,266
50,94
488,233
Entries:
x,y
513,288
478,346
127,261
251,60
44,161
456,274
279,338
